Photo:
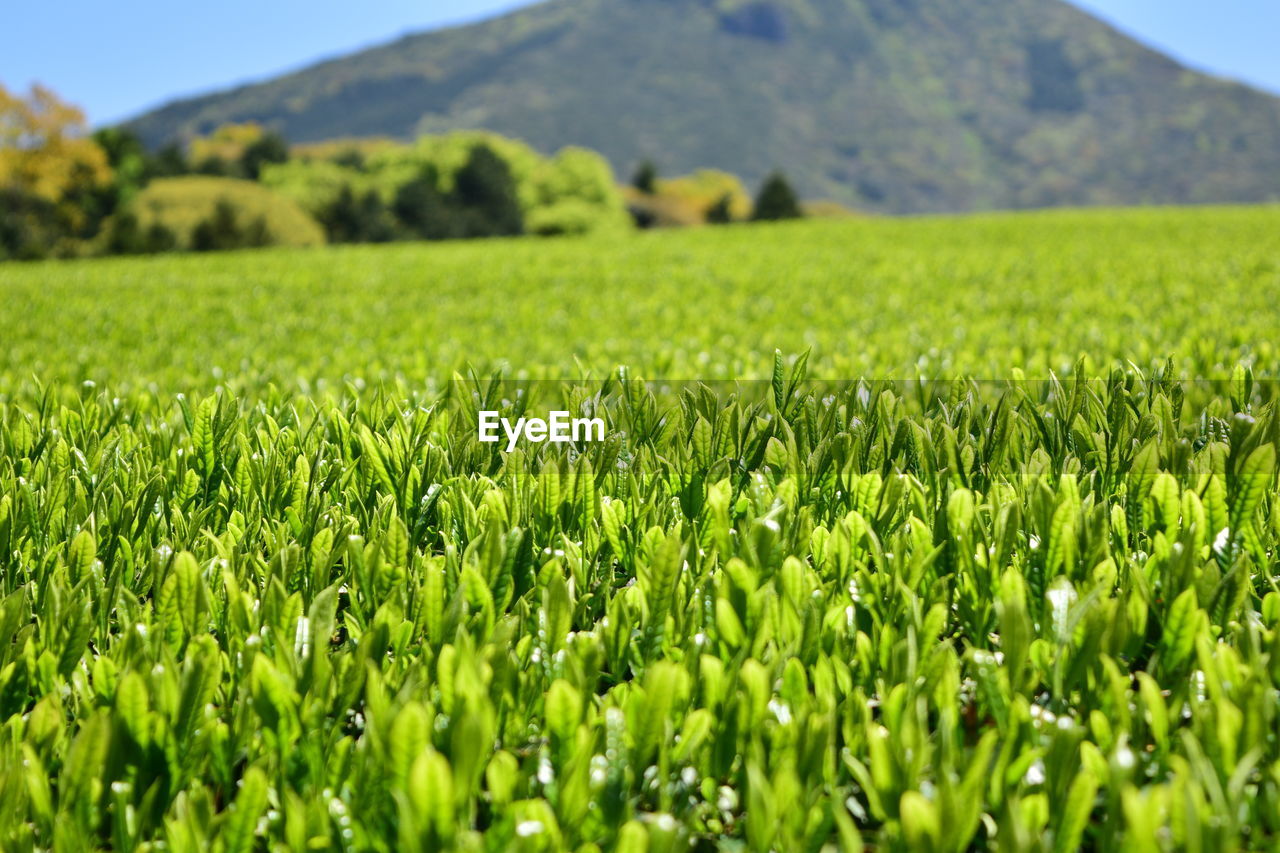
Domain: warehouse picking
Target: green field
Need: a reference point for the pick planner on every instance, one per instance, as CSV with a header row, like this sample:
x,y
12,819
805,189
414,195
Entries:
x,y
881,298
993,567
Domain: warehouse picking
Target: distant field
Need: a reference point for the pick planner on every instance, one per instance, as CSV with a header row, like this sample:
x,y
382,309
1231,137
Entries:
x,y
263,588
936,297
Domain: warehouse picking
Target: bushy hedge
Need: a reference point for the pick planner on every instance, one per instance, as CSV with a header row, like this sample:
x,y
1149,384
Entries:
x,y
182,205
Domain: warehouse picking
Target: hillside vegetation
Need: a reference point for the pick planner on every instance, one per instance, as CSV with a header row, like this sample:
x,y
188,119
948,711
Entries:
x,y
182,204
887,105
67,193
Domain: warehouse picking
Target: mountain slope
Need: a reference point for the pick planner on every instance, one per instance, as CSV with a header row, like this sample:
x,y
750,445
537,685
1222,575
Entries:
x,y
892,105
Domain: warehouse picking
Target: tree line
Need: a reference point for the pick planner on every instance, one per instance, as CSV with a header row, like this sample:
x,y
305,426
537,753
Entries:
x,y
775,200
67,192
64,191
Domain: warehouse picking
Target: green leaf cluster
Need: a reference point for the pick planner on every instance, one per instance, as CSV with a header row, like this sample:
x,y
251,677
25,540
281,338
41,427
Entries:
x,y
782,615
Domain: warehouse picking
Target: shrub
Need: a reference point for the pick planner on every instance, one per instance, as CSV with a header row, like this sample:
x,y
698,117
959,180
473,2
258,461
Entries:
x,y
571,216
315,184
577,194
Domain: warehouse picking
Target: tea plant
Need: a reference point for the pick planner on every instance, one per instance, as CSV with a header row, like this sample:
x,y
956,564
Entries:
x,y
977,296
301,611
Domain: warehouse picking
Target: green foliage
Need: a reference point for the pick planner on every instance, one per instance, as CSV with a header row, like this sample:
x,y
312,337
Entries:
x,y
576,194
485,194
64,195
267,149
1035,293
570,193
572,216
298,605
222,208
776,200
357,219
130,163
795,628
645,178
460,186
721,213
30,227
126,237
707,196
225,230
169,162
315,185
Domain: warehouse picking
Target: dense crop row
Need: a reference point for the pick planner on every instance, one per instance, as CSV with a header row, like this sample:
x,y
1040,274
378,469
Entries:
x,y
300,612
968,297
933,619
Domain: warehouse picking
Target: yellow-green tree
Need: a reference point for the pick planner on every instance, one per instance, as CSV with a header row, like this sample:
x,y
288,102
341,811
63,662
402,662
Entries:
x,y
45,149
705,189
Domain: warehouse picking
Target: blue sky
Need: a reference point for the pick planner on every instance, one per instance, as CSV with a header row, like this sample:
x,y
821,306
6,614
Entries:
x,y
116,64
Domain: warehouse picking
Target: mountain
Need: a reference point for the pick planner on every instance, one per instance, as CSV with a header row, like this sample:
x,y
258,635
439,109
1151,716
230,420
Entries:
x,y
890,105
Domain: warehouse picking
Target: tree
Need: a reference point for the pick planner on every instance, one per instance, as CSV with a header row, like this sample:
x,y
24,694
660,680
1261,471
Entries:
x,y
44,149
378,224
46,155
423,211
357,219
721,213
351,158
126,156
159,239
576,192
220,231
776,200
130,166
215,167
485,195
255,234
268,148
226,152
341,218
646,177
124,236
30,226
169,162
223,230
